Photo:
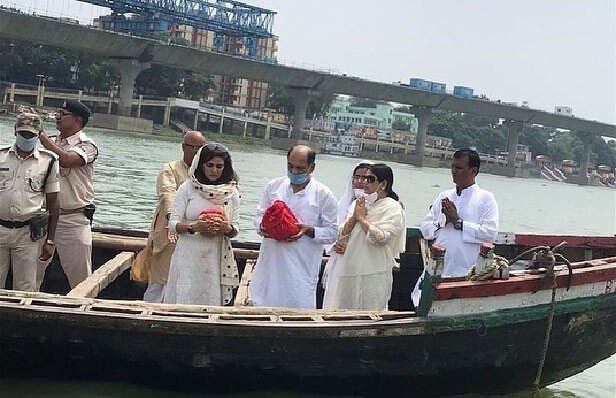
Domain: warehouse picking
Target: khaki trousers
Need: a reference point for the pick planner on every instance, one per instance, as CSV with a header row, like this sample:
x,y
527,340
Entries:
x,y
74,245
19,252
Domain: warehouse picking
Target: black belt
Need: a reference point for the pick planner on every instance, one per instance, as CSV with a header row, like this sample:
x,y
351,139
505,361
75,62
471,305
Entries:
x,y
14,224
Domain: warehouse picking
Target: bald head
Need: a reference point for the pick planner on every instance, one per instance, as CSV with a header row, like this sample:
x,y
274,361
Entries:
x,y
193,140
302,152
300,162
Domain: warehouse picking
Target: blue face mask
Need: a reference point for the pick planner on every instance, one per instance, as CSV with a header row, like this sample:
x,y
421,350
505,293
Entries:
x,y
297,179
26,144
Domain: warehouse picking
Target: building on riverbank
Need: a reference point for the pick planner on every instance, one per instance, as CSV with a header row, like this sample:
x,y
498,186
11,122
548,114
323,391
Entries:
x,y
345,114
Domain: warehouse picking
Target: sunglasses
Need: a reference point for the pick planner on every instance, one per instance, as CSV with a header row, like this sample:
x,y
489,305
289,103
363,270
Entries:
x,y
368,179
62,112
216,147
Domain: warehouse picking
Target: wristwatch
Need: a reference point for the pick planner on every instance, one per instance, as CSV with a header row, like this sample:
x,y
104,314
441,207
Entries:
x,y
50,242
458,224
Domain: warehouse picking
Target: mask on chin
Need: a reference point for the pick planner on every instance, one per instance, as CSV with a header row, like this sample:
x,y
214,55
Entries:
x,y
370,198
26,144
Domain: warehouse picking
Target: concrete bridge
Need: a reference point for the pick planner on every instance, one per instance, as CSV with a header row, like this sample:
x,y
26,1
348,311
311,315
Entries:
x,y
134,54
218,112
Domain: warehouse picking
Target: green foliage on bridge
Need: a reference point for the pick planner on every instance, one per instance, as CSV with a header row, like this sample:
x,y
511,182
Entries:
x,y
69,69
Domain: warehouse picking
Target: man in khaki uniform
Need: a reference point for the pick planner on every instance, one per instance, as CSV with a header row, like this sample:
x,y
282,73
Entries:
x,y
77,154
172,175
28,185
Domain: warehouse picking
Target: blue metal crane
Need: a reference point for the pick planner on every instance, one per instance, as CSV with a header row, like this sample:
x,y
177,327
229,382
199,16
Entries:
x,y
225,17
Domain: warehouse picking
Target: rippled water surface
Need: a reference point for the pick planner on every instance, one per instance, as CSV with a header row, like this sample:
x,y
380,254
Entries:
x,y
125,176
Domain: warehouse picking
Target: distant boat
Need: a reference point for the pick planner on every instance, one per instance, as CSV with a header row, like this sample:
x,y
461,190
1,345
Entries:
x,y
470,337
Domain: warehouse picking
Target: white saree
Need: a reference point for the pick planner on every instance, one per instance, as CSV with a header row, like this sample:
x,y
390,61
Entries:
x,y
362,278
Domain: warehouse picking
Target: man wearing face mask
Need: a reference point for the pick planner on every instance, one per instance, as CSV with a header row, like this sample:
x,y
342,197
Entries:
x,y
28,185
77,154
286,273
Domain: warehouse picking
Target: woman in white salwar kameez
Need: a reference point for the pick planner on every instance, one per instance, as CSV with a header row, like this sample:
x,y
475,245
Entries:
x,y
203,269
375,229
354,189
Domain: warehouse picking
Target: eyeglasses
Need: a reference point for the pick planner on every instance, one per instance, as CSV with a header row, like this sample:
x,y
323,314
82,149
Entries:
x,y
193,147
368,179
216,147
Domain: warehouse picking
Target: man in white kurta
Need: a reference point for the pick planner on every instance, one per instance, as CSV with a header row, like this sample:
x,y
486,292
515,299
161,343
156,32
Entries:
x,y
287,272
461,219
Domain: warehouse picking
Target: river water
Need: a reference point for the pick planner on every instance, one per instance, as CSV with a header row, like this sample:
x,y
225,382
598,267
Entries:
x,y
125,176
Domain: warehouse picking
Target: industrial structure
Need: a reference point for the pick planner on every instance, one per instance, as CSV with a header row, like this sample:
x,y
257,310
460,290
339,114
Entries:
x,y
229,27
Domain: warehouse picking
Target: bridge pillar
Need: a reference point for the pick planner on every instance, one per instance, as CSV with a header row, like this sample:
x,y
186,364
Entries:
x,y
301,98
268,128
424,117
110,102
583,178
222,121
515,129
129,70
139,106
196,120
167,116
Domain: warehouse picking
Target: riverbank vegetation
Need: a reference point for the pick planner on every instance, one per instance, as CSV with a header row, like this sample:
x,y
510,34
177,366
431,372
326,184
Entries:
x,y
488,135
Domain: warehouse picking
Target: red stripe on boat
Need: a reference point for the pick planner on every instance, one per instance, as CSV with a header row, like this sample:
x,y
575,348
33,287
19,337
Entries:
x,y
572,241
449,290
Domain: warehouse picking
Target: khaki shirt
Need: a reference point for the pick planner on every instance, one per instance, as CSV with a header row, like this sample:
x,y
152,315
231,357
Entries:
x,y
169,179
172,175
22,194
77,183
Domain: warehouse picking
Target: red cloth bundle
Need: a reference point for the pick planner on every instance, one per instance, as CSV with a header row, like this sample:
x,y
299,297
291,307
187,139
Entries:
x,y
210,213
279,222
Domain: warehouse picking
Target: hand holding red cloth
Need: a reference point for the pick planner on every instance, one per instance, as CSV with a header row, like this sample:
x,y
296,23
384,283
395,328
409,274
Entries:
x,y
279,222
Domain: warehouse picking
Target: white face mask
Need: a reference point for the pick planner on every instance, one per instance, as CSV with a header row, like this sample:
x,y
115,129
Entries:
x,y
371,197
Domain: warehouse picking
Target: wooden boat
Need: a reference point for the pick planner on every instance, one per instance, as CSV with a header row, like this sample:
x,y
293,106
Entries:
x,y
482,337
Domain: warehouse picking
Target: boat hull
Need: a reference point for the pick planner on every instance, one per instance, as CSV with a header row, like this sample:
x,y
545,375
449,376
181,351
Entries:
x,y
487,353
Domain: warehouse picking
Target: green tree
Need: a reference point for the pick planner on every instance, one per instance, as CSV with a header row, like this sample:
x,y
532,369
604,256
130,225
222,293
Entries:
x,y
401,125
280,99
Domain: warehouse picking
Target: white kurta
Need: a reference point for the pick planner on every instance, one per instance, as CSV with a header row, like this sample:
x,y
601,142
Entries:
x,y
479,211
362,278
194,274
286,273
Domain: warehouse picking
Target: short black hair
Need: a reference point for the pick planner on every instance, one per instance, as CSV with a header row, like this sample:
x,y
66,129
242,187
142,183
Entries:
x,y
312,155
473,157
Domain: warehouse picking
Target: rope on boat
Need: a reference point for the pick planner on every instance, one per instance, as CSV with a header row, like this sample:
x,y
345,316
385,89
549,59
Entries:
x,y
490,272
546,340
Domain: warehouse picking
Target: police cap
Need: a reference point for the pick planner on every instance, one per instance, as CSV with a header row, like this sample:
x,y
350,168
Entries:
x,y
78,109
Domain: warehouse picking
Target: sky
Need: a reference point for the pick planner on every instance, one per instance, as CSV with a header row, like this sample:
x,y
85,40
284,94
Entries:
x,y
545,52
